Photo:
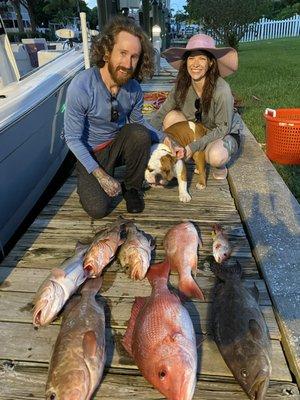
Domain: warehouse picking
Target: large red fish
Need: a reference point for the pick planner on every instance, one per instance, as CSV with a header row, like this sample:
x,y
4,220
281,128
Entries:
x,y
161,339
181,243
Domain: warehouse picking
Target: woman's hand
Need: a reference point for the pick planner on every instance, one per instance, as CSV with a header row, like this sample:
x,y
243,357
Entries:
x,y
188,152
177,150
110,185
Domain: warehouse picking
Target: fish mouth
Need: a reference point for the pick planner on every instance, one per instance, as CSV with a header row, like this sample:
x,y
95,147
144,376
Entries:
x,y
37,318
90,270
260,386
37,313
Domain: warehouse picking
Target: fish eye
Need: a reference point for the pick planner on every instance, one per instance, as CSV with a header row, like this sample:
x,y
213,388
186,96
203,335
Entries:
x,y
244,373
162,374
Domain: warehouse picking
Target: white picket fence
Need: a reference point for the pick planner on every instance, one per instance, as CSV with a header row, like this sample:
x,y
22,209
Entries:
x,y
271,29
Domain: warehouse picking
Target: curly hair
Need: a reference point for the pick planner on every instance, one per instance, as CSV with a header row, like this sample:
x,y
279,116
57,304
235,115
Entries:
x,y
104,43
184,81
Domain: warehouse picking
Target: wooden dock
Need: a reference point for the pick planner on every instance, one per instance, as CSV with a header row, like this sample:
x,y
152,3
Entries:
x,y
25,351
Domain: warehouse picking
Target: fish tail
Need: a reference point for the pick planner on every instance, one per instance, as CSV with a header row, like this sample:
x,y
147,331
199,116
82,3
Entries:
x,y
159,270
92,286
227,272
189,288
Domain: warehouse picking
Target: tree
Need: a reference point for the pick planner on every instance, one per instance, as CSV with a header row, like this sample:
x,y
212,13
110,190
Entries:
x,y
64,10
30,6
283,9
181,17
92,17
227,20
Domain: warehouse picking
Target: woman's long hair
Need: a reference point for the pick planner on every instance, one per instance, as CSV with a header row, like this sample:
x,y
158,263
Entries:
x,y
184,81
104,44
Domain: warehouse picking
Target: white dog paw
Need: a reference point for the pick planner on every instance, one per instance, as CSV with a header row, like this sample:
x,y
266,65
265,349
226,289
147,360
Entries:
x,y
200,187
196,171
185,197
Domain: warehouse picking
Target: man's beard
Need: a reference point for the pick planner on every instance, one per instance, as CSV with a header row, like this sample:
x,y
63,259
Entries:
x,y
117,78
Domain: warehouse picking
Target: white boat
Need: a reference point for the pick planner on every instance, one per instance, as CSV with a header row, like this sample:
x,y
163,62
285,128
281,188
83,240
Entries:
x,y
31,146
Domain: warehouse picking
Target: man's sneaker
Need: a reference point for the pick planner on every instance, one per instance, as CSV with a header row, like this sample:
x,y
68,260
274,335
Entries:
x,y
219,173
134,200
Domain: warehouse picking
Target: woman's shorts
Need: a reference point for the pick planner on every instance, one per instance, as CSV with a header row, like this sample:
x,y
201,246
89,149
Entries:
x,y
231,143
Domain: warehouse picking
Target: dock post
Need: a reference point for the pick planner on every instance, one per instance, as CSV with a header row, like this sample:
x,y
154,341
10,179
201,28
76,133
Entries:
x,y
85,40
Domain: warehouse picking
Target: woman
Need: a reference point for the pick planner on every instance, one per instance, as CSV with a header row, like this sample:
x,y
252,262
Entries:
x,y
202,95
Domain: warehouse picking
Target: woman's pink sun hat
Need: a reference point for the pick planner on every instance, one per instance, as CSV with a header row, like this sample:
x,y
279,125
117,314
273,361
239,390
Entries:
x,y
227,57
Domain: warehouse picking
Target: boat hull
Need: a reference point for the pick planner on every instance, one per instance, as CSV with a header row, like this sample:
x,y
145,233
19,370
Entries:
x,y
31,151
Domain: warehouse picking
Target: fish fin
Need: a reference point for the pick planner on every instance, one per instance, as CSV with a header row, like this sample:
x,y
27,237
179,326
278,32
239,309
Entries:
x,y
81,247
227,272
255,292
89,344
171,338
136,308
189,288
159,270
255,329
92,286
58,273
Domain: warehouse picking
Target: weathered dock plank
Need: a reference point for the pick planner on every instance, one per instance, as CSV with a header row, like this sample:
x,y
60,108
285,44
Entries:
x,y
115,283
17,307
30,383
21,341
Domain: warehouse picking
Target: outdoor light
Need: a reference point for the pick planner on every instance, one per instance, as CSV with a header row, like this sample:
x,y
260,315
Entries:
x,y
156,31
156,40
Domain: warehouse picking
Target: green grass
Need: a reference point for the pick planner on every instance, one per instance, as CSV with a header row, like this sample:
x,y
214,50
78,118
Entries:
x,y
269,76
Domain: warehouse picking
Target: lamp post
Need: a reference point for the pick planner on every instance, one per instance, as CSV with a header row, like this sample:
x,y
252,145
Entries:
x,y
155,12
156,40
146,16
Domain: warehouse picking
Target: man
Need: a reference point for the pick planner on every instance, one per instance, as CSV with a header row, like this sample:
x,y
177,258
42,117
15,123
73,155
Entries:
x,y
104,126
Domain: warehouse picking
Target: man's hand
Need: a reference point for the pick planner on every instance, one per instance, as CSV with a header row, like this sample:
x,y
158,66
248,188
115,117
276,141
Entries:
x,y
110,185
177,151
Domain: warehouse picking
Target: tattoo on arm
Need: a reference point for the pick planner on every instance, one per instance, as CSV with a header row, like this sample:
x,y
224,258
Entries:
x,y
109,184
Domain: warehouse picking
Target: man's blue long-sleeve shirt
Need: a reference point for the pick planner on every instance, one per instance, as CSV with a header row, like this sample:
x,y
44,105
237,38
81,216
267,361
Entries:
x,y
87,121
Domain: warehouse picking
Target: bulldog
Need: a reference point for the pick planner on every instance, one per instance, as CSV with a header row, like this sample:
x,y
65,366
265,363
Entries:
x,y
163,166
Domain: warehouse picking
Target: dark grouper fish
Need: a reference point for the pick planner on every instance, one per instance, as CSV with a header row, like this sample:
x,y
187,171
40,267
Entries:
x,y
240,332
78,357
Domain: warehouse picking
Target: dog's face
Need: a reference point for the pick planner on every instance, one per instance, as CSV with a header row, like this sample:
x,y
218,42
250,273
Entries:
x,y
161,166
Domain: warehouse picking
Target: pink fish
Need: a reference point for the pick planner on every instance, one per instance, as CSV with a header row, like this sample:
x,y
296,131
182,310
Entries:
x,y
161,339
181,243
103,248
221,246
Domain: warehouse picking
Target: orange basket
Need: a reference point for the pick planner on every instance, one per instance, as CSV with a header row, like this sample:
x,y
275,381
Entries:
x,y
283,135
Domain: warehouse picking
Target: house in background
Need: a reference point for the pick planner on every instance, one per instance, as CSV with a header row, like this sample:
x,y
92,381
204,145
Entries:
x,y
9,17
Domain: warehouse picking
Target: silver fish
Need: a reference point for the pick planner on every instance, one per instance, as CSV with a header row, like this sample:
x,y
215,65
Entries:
x,y
59,287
